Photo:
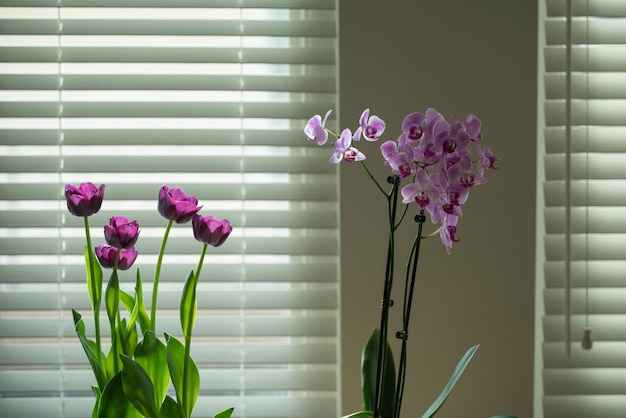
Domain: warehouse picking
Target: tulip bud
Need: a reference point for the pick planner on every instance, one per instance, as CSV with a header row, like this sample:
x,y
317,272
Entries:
x,y
121,233
84,200
106,256
176,206
211,230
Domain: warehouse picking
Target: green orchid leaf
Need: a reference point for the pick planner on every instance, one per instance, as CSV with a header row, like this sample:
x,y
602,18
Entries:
x,y
96,360
225,413
112,297
456,375
138,388
369,364
151,354
95,295
114,403
176,364
362,414
170,409
188,305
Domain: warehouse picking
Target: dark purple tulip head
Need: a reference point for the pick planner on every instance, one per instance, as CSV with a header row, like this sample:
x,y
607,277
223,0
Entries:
x,y
84,200
211,230
176,206
106,257
121,233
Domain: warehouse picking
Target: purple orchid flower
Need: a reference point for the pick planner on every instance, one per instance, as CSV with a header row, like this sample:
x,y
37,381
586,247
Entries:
x,y
344,151
315,129
399,157
372,127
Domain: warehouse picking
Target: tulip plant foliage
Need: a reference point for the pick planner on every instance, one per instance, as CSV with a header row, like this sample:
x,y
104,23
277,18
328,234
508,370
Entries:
x,y
133,378
434,164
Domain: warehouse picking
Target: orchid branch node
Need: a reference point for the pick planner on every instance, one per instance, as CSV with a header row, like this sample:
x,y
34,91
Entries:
x,y
420,218
388,303
402,335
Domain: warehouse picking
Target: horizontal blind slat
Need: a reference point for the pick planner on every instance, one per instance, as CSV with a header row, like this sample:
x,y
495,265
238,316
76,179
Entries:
x,y
587,382
604,354
280,405
193,97
264,351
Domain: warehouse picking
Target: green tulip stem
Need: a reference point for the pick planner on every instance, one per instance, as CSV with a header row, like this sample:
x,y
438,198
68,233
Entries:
x,y
189,330
95,303
155,285
113,318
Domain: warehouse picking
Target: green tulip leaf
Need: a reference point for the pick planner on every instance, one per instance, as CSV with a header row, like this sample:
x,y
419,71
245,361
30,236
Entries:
x,y
95,295
170,409
135,306
225,413
127,300
138,388
151,354
96,406
188,305
112,297
456,375
362,414
113,363
129,337
114,403
176,364
369,364
96,360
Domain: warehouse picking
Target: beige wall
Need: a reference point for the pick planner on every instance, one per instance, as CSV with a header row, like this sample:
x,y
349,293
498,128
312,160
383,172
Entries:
x,y
459,56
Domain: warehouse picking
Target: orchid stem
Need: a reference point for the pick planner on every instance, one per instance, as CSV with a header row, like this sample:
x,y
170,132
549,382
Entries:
x,y
155,285
409,287
95,303
392,204
373,178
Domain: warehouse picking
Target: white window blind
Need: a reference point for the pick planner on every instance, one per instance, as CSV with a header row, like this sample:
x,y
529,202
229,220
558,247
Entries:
x,y
207,95
584,139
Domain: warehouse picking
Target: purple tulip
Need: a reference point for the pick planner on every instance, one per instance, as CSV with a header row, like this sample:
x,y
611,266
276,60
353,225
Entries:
x,y
84,200
121,233
211,230
106,256
176,206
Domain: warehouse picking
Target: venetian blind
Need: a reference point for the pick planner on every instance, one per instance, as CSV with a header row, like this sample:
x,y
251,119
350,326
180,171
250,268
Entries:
x,y
207,95
585,117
